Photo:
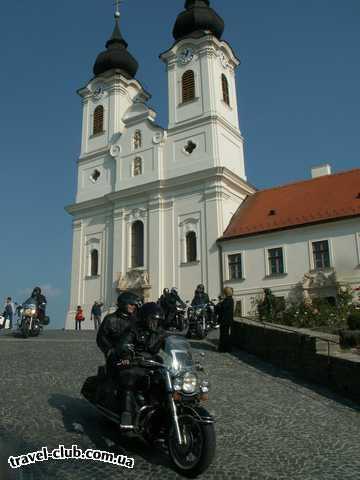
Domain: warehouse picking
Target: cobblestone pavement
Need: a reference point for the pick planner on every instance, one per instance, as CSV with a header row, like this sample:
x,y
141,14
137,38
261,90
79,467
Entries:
x,y
269,426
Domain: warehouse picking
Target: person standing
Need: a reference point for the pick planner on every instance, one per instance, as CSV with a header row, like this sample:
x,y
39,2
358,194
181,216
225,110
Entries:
x,y
79,318
96,314
9,312
226,320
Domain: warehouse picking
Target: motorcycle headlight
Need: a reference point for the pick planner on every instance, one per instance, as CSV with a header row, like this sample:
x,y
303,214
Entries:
x,y
189,383
29,312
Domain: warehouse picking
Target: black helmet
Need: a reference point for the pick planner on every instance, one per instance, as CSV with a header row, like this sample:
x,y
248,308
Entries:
x,y
200,288
36,292
127,298
166,291
151,314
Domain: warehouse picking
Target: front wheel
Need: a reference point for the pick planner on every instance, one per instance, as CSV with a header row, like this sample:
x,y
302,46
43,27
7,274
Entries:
x,y
200,329
198,451
25,327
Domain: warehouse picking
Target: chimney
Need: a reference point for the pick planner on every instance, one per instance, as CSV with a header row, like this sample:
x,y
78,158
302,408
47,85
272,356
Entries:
x,y
321,171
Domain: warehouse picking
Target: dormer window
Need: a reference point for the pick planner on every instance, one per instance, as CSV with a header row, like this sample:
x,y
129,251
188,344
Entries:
x,y
188,86
225,89
98,126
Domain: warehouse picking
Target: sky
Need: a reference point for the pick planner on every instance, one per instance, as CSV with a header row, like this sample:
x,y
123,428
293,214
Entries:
x,y
298,94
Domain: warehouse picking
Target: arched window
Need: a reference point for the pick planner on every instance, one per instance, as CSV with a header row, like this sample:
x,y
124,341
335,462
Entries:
x,y
137,167
188,86
94,263
225,89
98,120
191,249
137,139
137,244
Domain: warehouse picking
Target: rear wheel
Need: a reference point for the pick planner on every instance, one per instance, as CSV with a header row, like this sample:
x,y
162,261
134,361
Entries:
x,y
198,451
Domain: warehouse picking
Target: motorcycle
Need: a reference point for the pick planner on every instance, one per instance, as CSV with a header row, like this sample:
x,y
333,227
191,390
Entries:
x,y
178,321
30,323
202,319
168,408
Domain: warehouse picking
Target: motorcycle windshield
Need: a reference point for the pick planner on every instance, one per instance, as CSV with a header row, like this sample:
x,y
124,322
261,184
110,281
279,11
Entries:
x,y
177,354
30,302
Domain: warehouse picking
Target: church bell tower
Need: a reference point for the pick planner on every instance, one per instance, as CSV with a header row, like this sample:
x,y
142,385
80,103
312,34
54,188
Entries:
x,y
202,85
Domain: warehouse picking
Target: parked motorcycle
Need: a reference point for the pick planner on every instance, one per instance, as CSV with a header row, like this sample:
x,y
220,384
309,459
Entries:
x,y
168,408
30,323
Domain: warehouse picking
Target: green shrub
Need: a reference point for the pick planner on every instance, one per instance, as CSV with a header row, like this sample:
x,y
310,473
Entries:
x,y
353,320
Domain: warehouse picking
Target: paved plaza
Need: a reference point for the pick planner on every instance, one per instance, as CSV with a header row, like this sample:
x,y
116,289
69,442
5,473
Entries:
x,y
269,425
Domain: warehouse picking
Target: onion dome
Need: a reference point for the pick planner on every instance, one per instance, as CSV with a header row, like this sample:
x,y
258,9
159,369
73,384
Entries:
x,y
116,55
198,17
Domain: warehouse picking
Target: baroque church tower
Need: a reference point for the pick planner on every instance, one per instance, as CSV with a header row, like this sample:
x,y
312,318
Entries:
x,y
151,202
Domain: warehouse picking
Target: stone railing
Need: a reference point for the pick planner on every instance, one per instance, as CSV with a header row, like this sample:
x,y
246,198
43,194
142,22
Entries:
x,y
310,355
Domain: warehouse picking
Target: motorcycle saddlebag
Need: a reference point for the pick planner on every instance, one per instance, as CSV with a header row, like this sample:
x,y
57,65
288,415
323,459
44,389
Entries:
x,y
45,321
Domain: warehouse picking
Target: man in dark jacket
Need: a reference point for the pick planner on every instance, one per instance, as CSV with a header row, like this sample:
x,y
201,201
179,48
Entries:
x,y
96,314
171,302
200,297
144,339
226,320
114,325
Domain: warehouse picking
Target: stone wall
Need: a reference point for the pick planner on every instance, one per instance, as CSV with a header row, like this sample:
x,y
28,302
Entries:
x,y
301,353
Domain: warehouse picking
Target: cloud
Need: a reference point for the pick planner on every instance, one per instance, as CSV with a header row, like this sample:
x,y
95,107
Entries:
x,y
48,290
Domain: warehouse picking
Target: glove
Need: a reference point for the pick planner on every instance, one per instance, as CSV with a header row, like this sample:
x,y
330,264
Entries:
x,y
123,363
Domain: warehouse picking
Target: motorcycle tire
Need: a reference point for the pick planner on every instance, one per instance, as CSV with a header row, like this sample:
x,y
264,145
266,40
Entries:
x,y
200,331
205,434
25,329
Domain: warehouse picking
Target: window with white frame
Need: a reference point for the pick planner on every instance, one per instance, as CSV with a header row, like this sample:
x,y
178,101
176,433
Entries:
x,y
321,254
276,261
94,262
191,247
235,266
137,244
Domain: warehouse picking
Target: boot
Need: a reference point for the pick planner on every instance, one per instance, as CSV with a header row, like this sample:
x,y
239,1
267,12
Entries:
x,y
126,421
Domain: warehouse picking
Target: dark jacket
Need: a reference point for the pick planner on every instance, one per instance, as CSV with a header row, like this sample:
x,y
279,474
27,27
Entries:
x,y
146,343
226,311
96,311
200,299
8,311
171,300
112,330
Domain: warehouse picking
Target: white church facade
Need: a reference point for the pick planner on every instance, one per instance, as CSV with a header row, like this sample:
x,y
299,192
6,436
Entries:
x,y
171,207
151,202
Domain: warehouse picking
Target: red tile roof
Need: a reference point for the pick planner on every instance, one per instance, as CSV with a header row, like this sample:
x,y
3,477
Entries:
x,y
327,198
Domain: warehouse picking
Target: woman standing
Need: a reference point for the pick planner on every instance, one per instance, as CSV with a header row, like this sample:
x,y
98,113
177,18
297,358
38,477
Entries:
x,y
226,320
79,317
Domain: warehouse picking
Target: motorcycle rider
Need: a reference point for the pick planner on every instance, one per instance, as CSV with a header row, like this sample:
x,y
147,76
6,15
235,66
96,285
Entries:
x,y
145,339
114,325
40,301
171,302
163,299
200,297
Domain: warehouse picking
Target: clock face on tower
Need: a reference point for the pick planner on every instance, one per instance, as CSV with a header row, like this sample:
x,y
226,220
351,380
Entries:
x,y
98,91
186,55
224,60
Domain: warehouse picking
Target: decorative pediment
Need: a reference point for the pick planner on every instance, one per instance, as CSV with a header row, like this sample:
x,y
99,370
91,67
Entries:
x,y
134,280
136,214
